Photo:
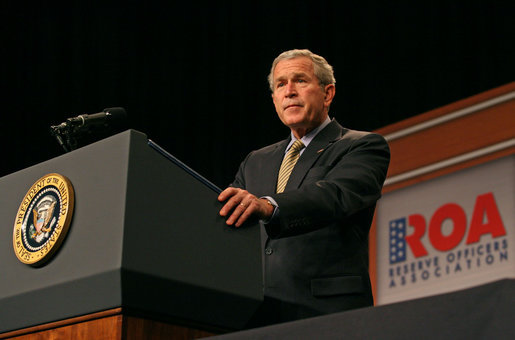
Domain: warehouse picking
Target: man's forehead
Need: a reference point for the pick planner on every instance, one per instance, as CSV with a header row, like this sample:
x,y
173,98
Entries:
x,y
293,66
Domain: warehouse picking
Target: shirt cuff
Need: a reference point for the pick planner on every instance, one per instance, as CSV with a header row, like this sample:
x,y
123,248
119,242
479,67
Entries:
x,y
276,209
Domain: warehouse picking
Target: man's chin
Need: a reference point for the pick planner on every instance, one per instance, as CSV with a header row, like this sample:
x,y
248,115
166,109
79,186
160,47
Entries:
x,y
293,118
294,123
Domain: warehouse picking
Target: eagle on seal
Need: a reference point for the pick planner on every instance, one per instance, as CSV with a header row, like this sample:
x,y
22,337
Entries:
x,y
42,218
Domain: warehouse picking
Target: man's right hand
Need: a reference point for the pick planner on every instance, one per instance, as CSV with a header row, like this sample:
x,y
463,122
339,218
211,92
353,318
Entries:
x,y
240,205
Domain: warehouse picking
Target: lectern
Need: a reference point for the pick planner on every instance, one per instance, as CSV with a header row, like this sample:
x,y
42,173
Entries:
x,y
145,239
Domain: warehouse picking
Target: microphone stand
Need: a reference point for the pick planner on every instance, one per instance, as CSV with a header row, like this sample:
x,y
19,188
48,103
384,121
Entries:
x,y
63,133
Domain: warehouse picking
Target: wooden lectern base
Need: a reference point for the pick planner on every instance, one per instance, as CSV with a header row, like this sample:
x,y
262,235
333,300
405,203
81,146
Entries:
x,y
109,324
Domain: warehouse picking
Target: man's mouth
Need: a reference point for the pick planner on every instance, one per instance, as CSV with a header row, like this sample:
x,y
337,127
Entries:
x,y
292,105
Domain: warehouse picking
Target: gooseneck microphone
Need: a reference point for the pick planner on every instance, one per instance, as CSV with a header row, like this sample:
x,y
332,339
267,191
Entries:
x,y
87,127
109,117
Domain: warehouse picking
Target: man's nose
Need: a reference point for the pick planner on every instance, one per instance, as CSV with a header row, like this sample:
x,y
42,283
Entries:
x,y
291,91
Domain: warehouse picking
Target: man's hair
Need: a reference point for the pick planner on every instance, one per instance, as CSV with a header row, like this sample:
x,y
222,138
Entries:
x,y
323,71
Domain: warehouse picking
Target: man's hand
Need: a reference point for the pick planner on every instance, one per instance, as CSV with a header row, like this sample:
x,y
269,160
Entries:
x,y
241,205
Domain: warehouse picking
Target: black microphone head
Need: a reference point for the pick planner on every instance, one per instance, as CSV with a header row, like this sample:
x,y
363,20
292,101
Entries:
x,y
116,117
116,112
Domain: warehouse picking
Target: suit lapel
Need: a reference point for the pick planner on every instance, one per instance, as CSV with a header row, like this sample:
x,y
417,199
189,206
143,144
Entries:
x,y
331,133
269,182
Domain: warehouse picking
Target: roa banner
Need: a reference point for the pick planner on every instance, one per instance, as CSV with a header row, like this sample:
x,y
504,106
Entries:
x,y
450,233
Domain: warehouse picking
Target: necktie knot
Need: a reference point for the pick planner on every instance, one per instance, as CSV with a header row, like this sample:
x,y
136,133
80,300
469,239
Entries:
x,y
297,146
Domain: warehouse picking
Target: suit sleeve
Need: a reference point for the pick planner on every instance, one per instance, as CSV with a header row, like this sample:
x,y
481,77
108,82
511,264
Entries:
x,y
350,184
239,180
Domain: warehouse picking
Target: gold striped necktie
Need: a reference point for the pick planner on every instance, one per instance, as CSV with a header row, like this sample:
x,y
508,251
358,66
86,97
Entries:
x,y
287,165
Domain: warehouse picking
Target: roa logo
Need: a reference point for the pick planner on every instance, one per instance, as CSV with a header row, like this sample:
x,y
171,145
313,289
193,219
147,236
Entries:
x,y
485,219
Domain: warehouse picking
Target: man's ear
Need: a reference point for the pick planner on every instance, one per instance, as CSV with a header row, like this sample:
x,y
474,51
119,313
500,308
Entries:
x,y
330,91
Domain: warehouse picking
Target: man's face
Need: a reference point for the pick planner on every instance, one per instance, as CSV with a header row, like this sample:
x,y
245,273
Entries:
x,y
299,100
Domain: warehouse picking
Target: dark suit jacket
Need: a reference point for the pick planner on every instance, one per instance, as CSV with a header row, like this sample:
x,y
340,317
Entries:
x,y
315,251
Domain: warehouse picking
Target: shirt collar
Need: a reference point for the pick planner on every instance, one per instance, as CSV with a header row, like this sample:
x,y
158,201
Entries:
x,y
309,136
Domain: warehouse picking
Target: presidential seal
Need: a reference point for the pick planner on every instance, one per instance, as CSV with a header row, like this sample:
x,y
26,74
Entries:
x,y
43,219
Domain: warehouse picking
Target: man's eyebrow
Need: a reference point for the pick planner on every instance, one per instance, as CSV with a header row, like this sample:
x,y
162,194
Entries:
x,y
295,75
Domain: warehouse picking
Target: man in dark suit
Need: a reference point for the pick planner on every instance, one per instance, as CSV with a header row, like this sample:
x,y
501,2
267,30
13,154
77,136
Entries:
x,y
316,217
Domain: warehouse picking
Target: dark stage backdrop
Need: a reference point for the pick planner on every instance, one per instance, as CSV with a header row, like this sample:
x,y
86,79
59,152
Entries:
x,y
192,76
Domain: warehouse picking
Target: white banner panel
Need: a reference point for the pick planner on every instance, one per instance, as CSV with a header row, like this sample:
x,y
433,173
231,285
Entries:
x,y
446,234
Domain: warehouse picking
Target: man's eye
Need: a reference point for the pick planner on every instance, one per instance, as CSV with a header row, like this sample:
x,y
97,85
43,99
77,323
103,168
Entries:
x,y
280,85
